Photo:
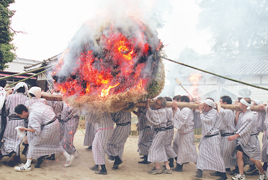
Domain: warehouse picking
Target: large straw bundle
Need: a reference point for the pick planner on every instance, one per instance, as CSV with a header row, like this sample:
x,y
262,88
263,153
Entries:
x,y
115,68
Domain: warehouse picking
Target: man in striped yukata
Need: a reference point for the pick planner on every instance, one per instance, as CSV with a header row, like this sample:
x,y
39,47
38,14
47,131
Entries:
x,y
260,125
115,145
158,119
104,125
209,157
169,135
247,140
35,96
264,153
175,140
89,135
227,128
11,141
57,106
43,133
184,122
71,122
146,134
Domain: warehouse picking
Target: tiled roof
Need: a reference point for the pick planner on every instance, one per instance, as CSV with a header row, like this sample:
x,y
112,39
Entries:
x,y
238,67
256,66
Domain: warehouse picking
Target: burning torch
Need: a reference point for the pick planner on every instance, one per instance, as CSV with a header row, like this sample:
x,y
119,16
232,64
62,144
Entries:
x,y
183,87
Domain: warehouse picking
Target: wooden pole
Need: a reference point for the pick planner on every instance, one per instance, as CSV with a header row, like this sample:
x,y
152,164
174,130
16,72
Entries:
x,y
195,106
51,97
59,97
25,72
28,78
183,87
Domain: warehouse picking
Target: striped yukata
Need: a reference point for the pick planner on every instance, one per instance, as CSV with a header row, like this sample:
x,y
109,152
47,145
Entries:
x,y
71,123
209,157
183,121
262,127
146,134
90,133
33,100
197,121
169,134
158,119
45,140
228,152
197,125
247,130
115,145
57,106
104,129
10,138
175,142
264,155
255,130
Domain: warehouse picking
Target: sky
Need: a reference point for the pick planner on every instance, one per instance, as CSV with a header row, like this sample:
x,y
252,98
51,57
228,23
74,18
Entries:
x,y
49,25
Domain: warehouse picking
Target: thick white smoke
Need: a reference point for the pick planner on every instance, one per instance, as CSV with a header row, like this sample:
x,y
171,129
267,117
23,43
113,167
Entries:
x,y
119,12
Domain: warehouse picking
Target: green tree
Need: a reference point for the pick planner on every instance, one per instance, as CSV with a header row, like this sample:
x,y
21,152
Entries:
x,y
237,26
6,34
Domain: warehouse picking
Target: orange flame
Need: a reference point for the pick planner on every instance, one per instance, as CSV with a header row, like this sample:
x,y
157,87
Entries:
x,y
60,63
194,78
105,92
121,62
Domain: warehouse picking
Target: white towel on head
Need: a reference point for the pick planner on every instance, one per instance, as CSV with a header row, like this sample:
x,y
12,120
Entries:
x,y
21,84
257,101
210,103
243,101
35,91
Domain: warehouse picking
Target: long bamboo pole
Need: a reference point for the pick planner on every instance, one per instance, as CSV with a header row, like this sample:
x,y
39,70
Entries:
x,y
25,72
241,82
195,106
58,97
51,97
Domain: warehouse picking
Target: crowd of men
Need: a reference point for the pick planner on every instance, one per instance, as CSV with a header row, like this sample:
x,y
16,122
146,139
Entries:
x,y
44,127
229,138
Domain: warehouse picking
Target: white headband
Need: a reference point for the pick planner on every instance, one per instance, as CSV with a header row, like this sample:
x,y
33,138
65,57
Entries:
x,y
256,101
21,84
35,91
210,103
243,101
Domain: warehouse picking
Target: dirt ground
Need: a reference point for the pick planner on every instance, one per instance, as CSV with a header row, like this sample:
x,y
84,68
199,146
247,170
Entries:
x,y
130,169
